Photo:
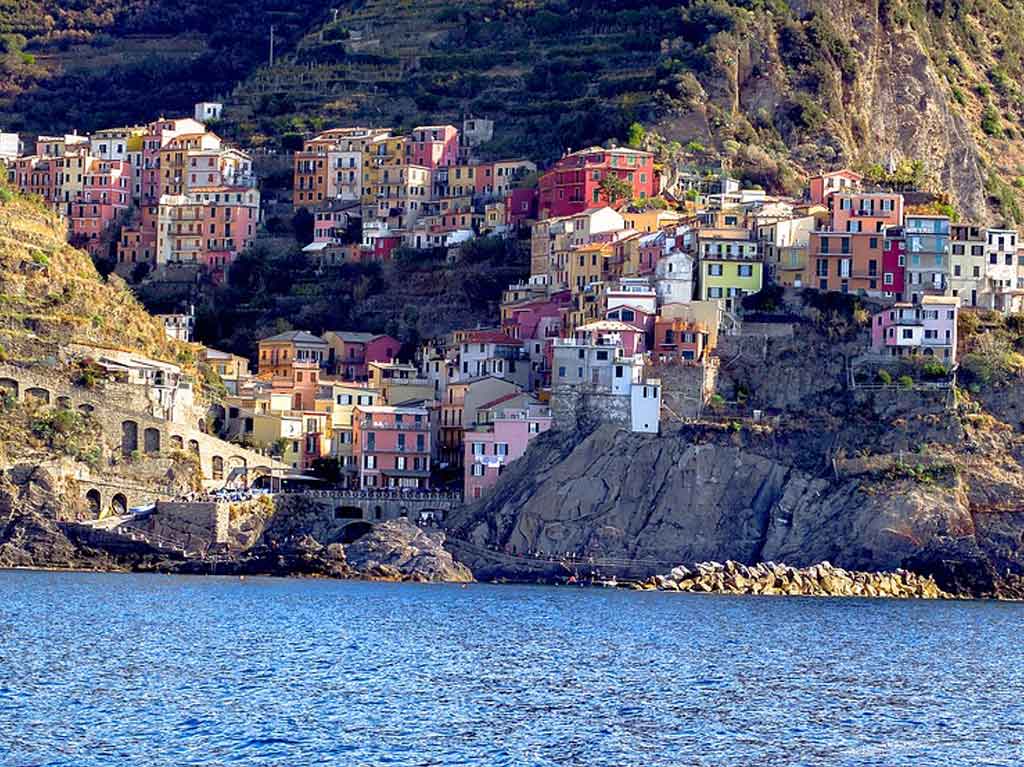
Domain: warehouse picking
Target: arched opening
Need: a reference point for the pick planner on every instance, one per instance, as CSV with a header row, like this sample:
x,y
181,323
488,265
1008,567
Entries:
x,y
86,409
348,512
119,505
378,512
151,441
354,531
201,425
95,502
10,386
403,513
177,443
193,446
237,473
38,394
64,403
217,466
129,437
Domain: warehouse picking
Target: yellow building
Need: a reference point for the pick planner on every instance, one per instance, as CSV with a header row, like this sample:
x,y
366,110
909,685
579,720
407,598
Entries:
x,y
399,382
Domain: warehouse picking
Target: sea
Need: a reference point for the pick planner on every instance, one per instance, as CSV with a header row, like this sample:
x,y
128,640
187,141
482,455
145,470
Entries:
x,y
115,669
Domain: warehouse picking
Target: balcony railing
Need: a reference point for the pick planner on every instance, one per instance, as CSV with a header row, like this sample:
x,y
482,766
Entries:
x,y
367,423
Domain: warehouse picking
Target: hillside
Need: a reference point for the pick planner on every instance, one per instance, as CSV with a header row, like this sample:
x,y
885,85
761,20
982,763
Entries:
x,y
96,64
51,294
772,88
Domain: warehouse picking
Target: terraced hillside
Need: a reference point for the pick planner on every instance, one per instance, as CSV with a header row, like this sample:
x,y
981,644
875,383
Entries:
x,y
51,294
773,88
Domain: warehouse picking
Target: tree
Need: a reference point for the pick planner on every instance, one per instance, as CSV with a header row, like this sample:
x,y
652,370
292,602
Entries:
x,y
635,136
615,188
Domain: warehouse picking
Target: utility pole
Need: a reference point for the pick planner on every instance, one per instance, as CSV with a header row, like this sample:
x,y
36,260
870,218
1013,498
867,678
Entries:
x,y
271,45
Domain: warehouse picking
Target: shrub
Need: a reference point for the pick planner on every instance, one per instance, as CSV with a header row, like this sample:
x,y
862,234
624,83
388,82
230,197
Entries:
x,y
934,369
885,377
6,195
40,258
905,382
990,122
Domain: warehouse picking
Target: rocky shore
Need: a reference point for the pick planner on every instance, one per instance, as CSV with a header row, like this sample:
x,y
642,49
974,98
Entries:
x,y
770,578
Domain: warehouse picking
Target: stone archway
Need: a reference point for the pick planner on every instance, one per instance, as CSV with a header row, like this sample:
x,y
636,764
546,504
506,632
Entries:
x,y
95,501
177,443
86,409
119,505
354,531
129,438
10,386
64,403
217,467
39,394
151,441
193,446
348,512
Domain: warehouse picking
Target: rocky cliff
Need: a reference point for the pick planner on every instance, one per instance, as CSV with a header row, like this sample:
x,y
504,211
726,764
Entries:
x,y
868,479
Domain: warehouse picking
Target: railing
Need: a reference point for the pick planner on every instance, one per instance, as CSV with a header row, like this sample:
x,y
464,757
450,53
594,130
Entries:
x,y
384,426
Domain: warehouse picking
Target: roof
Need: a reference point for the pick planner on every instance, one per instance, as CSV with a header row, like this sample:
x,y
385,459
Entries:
x,y
942,300
352,337
396,409
610,325
295,336
502,398
491,337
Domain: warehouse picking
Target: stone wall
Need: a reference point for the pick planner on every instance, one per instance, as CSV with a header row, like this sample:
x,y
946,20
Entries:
x,y
686,387
190,526
583,408
129,429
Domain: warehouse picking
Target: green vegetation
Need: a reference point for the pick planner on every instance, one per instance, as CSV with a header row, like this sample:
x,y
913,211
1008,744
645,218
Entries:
x,y
66,431
885,377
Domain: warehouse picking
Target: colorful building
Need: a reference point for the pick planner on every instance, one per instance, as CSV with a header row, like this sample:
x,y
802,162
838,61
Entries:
x,y
392,446
574,182
490,447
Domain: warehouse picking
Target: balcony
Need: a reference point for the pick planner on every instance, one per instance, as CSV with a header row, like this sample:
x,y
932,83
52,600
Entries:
x,y
367,423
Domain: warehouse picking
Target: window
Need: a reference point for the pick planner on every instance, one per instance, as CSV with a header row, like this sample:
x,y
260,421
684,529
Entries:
x,y
369,462
714,292
534,427
745,270
715,270
501,448
479,448
477,470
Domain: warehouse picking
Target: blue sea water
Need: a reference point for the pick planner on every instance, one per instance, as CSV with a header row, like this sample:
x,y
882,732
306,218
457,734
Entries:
x,y
158,670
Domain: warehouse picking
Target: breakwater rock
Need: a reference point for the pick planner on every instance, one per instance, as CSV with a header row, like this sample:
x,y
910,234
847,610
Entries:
x,y
771,578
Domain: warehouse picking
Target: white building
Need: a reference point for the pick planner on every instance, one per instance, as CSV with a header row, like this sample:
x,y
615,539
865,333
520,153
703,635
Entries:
x,y
674,281
10,147
208,111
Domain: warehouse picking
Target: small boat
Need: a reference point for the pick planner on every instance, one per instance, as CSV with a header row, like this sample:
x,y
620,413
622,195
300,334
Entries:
x,y
611,583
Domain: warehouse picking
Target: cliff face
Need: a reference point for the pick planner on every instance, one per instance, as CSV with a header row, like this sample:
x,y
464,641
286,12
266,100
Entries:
x,y
864,478
691,496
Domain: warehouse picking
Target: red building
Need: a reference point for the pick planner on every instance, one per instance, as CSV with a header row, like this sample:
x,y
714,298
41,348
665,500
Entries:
x,y
520,207
574,183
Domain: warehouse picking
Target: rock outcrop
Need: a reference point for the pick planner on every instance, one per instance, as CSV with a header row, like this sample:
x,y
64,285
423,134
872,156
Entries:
x,y
773,579
399,550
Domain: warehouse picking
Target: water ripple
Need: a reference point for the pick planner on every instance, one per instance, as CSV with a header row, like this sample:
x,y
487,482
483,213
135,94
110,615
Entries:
x,y
129,670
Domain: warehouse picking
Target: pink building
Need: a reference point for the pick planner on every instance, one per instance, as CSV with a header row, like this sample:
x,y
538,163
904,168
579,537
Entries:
x,y
824,184
630,339
893,262
491,446
106,195
392,446
433,146
928,328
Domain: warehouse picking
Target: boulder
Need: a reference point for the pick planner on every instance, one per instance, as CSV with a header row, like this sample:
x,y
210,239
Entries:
x,y
400,546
